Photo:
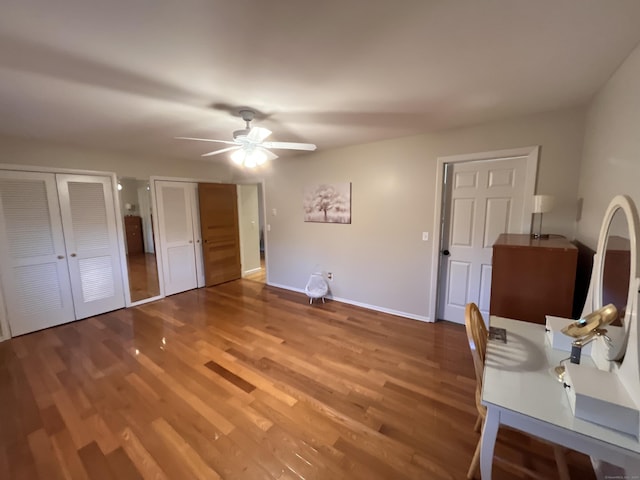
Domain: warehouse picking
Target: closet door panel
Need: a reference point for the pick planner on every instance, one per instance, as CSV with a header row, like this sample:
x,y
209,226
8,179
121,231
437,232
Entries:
x,y
197,235
35,277
176,236
88,218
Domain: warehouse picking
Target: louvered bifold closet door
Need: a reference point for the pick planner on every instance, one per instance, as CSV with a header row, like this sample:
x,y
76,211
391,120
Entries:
x,y
88,218
34,273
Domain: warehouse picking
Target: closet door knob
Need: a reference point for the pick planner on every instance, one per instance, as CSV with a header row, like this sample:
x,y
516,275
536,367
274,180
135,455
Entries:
x,y
60,257
446,253
190,241
73,255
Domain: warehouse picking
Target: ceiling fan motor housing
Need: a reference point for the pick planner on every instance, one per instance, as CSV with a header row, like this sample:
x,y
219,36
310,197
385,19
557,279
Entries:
x,y
241,133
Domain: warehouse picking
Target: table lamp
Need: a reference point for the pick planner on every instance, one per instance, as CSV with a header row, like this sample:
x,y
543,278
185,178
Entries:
x,y
542,204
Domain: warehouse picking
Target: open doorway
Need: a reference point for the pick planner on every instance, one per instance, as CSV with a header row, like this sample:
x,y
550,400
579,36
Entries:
x,y
252,232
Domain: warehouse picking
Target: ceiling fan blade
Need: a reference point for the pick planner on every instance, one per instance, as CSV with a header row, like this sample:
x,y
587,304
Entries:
x,y
216,152
258,134
206,140
290,145
269,153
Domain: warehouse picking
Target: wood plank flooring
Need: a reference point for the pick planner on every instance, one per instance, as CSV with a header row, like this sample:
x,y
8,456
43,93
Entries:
x,y
143,276
259,276
245,381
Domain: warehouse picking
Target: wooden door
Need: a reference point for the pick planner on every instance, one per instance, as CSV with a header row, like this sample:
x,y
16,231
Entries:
x,y
33,263
175,225
482,200
220,238
91,239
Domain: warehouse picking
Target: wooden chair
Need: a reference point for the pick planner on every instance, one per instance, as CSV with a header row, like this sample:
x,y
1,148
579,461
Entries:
x,y
478,335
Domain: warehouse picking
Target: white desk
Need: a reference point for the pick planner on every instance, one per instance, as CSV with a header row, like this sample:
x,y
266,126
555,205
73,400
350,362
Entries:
x,y
519,391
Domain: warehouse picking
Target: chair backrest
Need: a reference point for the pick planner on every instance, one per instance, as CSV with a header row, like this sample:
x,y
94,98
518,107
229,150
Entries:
x,y
317,284
477,335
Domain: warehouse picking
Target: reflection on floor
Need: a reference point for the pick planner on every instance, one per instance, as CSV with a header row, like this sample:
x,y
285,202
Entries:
x,y
247,381
260,276
143,276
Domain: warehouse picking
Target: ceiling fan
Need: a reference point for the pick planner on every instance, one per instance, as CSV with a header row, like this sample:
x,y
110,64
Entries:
x,y
249,146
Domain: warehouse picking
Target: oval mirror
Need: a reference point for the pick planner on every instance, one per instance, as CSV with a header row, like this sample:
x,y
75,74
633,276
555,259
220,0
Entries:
x,y
614,271
616,267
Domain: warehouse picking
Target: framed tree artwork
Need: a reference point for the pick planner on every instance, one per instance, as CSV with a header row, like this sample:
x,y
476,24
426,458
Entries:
x,y
327,203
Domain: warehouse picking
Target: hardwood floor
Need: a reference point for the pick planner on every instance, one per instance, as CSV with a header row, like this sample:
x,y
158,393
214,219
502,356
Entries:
x,y
260,276
143,276
245,381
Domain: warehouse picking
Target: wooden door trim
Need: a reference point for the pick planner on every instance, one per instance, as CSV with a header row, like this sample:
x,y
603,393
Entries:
x,y
532,153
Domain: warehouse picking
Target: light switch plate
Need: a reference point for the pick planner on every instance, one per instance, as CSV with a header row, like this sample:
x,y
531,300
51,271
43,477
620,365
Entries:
x,y
425,236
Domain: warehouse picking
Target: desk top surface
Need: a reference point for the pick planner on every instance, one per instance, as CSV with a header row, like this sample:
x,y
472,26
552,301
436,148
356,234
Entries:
x,y
518,377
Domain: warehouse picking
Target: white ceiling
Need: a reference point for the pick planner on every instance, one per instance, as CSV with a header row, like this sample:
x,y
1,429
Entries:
x,y
130,75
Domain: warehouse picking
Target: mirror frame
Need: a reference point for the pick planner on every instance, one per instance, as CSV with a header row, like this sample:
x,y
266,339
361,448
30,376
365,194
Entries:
x,y
126,272
602,351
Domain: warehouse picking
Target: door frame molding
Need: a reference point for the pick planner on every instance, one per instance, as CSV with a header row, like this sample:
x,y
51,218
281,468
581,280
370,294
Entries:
x,y
532,153
5,331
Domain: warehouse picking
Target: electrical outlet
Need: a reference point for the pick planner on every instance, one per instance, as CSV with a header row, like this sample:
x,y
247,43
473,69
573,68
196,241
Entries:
x,y
425,236
330,276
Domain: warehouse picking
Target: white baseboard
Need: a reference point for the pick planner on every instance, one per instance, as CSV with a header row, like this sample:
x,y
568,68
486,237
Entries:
x,y
249,272
368,306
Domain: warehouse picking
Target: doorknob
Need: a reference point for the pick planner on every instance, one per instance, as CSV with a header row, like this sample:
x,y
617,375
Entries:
x,y
190,241
73,255
60,257
446,252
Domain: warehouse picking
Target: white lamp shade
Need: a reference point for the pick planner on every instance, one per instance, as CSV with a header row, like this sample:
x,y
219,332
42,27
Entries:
x,y
250,158
543,203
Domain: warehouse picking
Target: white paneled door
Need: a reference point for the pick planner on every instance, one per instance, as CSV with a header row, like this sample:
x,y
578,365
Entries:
x,y
482,200
177,240
91,238
35,277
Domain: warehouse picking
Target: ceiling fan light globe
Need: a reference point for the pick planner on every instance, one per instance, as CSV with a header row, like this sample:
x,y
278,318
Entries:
x,y
238,157
259,156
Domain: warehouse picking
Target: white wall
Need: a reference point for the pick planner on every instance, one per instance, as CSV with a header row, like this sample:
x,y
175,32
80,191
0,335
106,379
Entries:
x,y
611,162
128,194
32,152
380,260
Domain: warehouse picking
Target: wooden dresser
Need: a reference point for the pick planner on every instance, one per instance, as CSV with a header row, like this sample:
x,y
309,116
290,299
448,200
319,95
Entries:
x,y
133,234
532,278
